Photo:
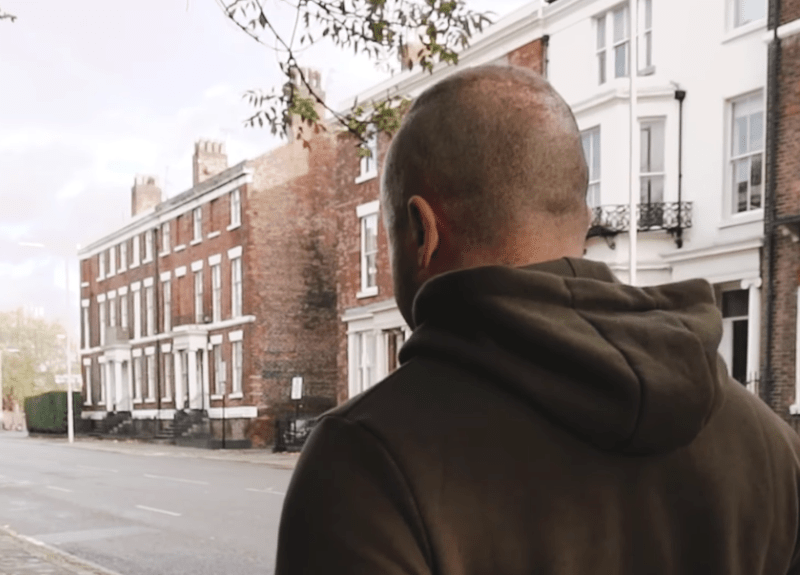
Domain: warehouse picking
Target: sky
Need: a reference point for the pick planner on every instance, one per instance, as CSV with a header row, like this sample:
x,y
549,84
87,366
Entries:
x,y
94,92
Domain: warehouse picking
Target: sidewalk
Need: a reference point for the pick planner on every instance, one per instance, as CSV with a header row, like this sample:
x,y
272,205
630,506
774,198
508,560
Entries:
x,y
130,446
20,555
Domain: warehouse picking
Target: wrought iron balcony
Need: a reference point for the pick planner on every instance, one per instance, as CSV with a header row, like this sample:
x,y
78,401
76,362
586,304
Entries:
x,y
671,217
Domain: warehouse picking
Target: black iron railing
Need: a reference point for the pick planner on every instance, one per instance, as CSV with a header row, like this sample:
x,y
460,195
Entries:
x,y
672,217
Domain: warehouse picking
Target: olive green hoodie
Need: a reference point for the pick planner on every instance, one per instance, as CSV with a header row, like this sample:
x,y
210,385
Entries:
x,y
549,419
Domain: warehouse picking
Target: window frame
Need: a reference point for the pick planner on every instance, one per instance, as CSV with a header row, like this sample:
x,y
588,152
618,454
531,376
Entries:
x,y
166,304
589,134
733,158
197,225
123,310
101,309
237,357
137,314
235,208
198,297
216,292
123,256
605,55
236,287
148,246
734,23
365,213
136,250
165,239
368,164
149,303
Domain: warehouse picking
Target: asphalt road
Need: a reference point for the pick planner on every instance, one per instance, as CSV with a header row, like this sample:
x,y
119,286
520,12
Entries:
x,y
142,515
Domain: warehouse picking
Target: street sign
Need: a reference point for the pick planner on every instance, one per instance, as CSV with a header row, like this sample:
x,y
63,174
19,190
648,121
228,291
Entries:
x,y
297,387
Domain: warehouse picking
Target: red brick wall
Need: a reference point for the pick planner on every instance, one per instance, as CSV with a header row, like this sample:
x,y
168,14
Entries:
x,y
528,56
790,11
787,253
290,286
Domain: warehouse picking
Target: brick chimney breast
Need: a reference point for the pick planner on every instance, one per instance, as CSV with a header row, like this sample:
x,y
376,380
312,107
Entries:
x,y
314,79
210,158
145,194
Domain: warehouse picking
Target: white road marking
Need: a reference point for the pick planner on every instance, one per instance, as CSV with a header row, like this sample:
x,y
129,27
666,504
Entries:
x,y
176,479
55,488
98,469
146,508
267,490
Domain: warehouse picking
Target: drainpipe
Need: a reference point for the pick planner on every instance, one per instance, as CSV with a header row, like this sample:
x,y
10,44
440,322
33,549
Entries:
x,y
680,95
157,321
770,214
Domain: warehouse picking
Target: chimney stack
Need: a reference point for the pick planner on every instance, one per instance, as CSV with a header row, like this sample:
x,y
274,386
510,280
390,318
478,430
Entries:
x,y
145,194
210,158
314,79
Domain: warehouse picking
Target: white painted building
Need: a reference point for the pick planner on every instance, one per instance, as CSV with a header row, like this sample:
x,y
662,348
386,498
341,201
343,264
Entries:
x,y
713,55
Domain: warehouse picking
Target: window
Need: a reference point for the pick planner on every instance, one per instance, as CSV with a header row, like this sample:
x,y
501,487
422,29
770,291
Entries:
x,y
112,260
746,11
197,224
123,256
149,309
369,163
216,292
168,374
646,39
135,252
236,367
165,246
167,305
651,174
185,376
112,312
137,314
236,287
198,297
219,374
85,340
369,254
366,361
101,262
102,309
87,384
148,245
151,377
747,159
591,149
733,347
123,311
394,341
615,25
137,378
236,208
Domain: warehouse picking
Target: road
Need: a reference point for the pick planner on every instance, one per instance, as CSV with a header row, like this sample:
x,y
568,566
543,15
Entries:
x,y
141,515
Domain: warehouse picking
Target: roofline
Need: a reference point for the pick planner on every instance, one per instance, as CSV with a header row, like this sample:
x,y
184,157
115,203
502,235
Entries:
x,y
146,219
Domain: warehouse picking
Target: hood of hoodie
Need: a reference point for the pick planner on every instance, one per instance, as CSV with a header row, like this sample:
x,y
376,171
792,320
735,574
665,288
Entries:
x,y
631,370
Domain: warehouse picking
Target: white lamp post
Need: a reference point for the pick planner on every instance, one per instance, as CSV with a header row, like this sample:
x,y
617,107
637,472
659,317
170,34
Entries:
x,y
70,423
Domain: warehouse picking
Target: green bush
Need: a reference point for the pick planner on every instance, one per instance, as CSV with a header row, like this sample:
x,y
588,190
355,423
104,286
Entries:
x,y
47,413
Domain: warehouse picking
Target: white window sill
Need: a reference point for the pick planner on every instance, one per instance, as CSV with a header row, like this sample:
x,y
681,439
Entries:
x,y
744,218
166,399
84,284
212,235
749,28
150,400
195,242
648,71
147,261
134,265
233,226
237,395
369,292
794,409
137,401
179,248
216,397
366,177
87,404
100,278
163,254
122,270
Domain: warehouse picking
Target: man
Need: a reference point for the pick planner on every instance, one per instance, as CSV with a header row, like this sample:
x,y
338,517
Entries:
x,y
546,417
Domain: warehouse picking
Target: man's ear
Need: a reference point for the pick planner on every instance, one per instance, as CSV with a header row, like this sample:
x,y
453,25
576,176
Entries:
x,y
425,228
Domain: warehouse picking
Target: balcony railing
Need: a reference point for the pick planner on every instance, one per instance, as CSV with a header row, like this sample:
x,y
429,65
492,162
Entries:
x,y
671,217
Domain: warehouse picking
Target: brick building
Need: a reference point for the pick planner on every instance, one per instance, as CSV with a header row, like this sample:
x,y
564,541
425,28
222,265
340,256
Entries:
x,y
781,262
205,306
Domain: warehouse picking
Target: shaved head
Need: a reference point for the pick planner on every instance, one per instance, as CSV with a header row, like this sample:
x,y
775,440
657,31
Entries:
x,y
486,169
496,146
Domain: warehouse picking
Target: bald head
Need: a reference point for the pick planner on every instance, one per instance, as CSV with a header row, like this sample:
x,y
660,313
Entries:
x,y
496,148
487,169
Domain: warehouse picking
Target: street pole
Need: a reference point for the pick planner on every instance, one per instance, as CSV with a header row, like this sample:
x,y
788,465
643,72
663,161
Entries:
x,y
634,135
70,423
